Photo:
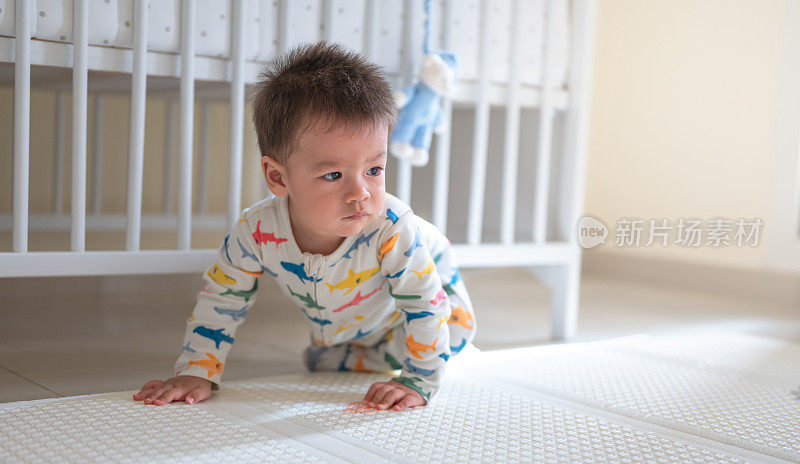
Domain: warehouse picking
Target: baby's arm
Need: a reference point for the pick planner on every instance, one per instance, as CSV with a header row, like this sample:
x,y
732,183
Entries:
x,y
229,291
423,302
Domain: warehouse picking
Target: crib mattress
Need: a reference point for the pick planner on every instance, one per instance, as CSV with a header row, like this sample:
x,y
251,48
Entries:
x,y
111,25
687,398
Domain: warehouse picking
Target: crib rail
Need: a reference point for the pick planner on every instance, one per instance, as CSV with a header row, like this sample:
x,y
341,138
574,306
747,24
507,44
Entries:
x,y
554,250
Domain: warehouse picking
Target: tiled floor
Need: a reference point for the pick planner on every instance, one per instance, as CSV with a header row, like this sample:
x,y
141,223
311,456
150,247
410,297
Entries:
x,y
72,336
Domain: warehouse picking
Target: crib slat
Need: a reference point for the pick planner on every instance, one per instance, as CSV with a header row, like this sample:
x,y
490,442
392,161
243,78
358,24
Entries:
x,y
442,170
136,147
186,126
372,17
510,164
97,154
202,173
328,14
22,120
481,135
404,166
545,130
80,91
237,116
169,155
58,150
284,12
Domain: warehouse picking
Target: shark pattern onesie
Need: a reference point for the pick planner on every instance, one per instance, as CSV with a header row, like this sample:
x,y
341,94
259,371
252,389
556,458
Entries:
x,y
389,298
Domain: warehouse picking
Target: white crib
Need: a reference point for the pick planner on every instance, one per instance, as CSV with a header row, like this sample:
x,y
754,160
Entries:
x,y
522,57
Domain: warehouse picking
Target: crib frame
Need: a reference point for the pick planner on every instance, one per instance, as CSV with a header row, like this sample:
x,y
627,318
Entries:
x,y
556,263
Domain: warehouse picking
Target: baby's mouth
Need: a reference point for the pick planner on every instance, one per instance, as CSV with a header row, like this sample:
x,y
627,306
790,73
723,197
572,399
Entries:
x,y
357,216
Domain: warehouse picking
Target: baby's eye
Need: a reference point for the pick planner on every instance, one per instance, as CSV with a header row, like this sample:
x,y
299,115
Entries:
x,y
374,172
335,175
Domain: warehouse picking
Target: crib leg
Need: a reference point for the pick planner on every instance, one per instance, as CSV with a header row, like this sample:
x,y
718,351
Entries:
x,y
564,283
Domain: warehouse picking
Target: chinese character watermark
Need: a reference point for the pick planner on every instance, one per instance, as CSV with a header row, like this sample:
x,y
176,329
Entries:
x,y
715,232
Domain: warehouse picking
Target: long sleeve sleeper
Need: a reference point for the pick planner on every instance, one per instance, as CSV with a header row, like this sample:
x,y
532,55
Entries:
x,y
387,298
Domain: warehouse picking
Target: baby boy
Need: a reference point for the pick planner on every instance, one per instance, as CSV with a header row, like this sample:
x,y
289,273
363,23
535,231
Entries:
x,y
378,285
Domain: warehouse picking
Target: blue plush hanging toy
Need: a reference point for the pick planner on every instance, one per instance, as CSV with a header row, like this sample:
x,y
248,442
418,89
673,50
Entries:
x,y
420,104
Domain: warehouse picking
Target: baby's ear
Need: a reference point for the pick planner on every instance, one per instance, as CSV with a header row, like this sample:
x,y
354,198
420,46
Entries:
x,y
273,174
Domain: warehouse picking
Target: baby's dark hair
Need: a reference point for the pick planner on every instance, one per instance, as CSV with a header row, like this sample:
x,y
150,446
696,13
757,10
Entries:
x,y
316,81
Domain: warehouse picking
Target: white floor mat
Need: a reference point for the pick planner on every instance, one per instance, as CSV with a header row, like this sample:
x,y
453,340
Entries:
x,y
690,398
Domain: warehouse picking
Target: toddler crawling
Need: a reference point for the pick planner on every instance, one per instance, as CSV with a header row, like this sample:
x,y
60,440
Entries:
x,y
378,285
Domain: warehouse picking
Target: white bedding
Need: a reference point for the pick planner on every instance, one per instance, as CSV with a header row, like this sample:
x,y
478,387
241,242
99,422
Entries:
x,y
684,398
111,24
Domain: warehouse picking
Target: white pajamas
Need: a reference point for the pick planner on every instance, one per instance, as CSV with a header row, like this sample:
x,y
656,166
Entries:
x,y
389,297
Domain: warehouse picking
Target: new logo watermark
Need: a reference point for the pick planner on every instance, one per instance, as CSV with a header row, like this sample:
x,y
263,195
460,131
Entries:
x,y
685,232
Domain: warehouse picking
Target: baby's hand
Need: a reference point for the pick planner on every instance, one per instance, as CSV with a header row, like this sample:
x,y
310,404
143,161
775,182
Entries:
x,y
384,395
183,387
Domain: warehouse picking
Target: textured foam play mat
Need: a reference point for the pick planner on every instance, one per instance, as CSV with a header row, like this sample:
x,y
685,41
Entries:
x,y
683,398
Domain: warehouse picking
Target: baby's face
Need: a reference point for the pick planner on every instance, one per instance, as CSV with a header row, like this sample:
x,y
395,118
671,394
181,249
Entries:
x,y
336,183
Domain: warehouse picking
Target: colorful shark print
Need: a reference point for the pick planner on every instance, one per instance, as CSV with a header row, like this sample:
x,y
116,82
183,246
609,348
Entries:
x,y
456,277
457,349
218,276
442,320
268,271
308,300
315,319
343,364
461,317
188,348
438,257
342,328
444,356
440,295
448,289
391,216
360,365
298,270
388,276
216,335
403,297
361,334
262,238
236,314
314,355
418,370
246,294
387,246
225,243
353,279
357,299
254,274
415,347
245,253
213,364
394,317
362,239
430,267
411,316
416,244
411,383
394,363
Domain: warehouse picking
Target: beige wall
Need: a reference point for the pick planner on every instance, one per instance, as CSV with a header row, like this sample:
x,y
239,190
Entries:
x,y
683,120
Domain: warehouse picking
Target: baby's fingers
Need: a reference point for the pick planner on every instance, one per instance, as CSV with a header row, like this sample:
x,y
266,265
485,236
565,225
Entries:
x,y
148,388
409,401
174,393
391,398
155,393
197,394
